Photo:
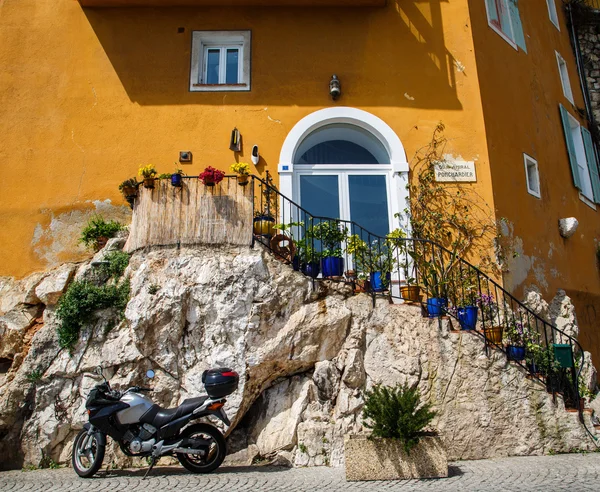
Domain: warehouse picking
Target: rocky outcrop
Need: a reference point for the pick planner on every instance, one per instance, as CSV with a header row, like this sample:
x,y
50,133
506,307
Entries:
x,y
305,353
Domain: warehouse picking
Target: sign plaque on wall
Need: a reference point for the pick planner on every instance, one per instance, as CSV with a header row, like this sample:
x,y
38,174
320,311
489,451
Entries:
x,y
455,172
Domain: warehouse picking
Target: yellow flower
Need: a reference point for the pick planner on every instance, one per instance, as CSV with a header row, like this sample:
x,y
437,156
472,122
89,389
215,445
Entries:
x,y
240,168
147,171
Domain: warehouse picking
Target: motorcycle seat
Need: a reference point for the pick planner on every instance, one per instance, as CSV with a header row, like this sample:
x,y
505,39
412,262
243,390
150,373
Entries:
x,y
159,417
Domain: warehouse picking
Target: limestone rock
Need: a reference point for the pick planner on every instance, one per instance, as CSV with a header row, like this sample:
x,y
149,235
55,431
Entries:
x,y
562,314
534,301
327,379
354,374
54,284
282,406
305,356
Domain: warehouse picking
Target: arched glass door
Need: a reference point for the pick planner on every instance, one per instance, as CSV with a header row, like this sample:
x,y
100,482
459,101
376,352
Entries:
x,y
342,171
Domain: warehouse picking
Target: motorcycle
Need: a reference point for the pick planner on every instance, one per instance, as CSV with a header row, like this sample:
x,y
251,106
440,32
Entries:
x,y
144,429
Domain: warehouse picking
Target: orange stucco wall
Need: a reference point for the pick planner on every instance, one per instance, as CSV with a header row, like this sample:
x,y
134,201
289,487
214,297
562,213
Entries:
x,y
89,95
521,93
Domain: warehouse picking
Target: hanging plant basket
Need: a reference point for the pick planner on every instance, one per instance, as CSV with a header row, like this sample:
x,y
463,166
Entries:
x,y
242,179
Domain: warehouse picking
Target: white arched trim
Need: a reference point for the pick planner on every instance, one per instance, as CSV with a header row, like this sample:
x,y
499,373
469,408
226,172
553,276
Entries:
x,y
351,116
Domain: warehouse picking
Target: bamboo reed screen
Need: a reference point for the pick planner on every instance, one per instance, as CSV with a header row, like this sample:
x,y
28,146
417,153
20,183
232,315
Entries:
x,y
192,214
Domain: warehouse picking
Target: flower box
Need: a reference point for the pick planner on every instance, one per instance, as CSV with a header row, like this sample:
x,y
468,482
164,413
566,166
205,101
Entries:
x,y
385,459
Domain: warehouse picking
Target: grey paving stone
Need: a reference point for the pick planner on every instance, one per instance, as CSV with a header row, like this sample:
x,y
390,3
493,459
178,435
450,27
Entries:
x,y
572,473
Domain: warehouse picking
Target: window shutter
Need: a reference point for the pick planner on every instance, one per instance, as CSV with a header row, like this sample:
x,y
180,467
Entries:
x,y
592,162
492,12
517,26
570,146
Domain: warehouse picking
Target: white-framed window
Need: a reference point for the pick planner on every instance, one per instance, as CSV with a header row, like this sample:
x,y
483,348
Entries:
x,y
582,157
553,13
564,77
220,61
532,176
503,17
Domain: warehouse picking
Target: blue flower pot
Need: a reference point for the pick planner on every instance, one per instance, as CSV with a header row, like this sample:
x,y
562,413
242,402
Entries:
x,y
332,266
296,263
310,269
467,317
436,306
533,368
176,180
515,353
377,282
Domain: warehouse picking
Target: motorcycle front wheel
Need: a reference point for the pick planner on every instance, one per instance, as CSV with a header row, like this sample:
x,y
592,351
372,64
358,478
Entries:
x,y
214,453
88,454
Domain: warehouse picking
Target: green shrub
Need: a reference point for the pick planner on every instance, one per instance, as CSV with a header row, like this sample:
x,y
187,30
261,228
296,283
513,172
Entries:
x,y
395,413
97,228
117,263
78,305
34,376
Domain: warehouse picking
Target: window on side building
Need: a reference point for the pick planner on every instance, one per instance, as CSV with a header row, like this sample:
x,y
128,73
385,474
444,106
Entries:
x,y
220,61
582,157
532,176
564,77
503,17
553,13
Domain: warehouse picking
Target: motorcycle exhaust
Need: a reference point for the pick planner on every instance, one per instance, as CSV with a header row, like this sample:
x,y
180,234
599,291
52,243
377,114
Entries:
x,y
189,451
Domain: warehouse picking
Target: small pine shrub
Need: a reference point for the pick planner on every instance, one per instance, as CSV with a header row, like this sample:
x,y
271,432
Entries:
x,y
34,376
396,413
97,228
77,307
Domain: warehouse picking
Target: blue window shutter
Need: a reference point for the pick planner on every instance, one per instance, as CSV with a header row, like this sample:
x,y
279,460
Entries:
x,y
592,162
517,26
564,114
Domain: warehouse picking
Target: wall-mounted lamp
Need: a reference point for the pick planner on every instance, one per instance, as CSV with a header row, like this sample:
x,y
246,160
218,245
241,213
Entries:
x,y
185,156
335,88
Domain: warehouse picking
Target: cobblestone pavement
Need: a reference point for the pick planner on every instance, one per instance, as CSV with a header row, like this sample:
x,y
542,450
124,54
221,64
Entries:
x,y
573,472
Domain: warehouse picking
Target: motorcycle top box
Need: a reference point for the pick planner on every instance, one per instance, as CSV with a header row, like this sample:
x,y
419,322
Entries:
x,y
220,382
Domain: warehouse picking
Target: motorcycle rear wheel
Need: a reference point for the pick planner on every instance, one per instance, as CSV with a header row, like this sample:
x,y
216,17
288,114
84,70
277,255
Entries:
x,y
216,453
88,454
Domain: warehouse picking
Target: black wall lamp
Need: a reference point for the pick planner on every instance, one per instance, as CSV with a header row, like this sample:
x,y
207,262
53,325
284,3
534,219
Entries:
x,y
335,88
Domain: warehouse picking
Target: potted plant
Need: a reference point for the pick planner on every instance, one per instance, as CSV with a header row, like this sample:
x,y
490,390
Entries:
x,y
264,221
211,176
149,174
308,258
514,338
129,188
98,231
398,447
176,177
331,234
490,318
242,169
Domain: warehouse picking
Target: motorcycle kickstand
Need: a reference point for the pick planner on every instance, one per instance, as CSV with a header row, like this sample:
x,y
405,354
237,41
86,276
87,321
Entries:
x,y
153,461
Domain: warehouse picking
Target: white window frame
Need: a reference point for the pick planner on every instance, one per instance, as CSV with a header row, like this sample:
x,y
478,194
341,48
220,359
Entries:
x,y
222,61
553,13
563,73
528,160
508,37
202,41
582,163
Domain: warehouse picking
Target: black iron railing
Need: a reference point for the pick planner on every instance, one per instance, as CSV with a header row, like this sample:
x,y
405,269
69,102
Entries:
x,y
422,272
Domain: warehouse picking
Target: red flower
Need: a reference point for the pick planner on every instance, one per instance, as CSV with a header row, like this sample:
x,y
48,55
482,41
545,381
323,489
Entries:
x,y
210,175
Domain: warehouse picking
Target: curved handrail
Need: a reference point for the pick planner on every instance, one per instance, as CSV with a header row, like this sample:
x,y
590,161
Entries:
x,y
516,305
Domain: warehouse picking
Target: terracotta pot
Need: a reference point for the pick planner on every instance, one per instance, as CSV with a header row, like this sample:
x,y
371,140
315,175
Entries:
x,y
242,179
494,334
149,182
101,242
411,293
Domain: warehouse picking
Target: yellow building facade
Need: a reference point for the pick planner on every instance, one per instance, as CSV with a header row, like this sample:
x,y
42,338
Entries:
x,y
90,90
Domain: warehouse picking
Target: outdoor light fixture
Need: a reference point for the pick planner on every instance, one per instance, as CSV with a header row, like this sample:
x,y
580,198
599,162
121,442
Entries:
x,y
335,88
185,156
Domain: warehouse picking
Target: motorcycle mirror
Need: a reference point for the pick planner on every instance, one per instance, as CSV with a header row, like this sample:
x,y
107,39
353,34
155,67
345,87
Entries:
x,y
150,374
